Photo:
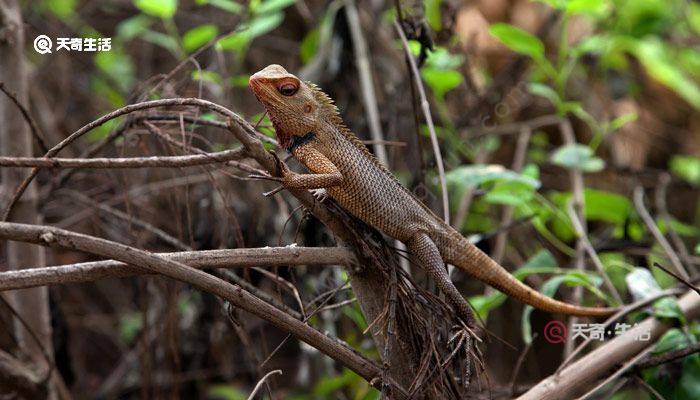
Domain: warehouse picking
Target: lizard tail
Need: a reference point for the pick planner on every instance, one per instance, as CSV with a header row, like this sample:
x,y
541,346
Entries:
x,y
470,259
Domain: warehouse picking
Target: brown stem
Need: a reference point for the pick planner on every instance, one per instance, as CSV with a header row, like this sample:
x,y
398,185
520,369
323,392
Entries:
x,y
230,258
578,376
49,236
131,162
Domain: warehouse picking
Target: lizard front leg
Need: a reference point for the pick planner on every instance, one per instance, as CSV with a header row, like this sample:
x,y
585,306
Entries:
x,y
427,253
325,173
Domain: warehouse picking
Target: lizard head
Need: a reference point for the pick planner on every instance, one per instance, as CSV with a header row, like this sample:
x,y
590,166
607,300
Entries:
x,y
292,104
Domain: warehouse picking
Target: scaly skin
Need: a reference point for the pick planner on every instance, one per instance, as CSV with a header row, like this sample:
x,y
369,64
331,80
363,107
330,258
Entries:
x,y
309,126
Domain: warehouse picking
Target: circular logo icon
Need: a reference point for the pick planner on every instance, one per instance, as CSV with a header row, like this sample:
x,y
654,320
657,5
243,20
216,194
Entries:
x,y
43,44
555,332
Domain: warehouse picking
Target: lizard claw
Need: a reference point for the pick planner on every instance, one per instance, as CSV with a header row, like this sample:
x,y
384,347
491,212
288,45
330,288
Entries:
x,y
319,194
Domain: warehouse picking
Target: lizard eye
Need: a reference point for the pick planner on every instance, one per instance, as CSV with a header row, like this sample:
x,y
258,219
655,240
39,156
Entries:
x,y
288,89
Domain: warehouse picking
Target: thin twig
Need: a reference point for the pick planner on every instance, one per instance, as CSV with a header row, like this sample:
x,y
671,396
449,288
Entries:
x,y
129,162
578,227
648,388
27,117
428,121
678,278
161,234
660,195
518,163
669,356
118,113
369,98
651,225
629,364
519,363
260,382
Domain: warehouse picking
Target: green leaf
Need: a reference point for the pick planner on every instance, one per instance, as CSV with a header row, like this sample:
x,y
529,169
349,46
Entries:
x,y
433,14
440,57
61,8
235,42
539,89
596,8
622,120
130,326
308,46
207,76
158,8
103,130
657,62
510,193
577,157
118,66
679,227
673,339
134,26
226,5
483,304
694,16
686,167
549,288
606,206
264,24
353,312
271,6
199,36
441,81
541,263
518,40
225,392
329,385
162,40
668,307
240,81
476,174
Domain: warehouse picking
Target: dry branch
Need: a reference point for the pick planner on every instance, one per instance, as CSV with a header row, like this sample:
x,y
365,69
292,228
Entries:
x,y
130,162
118,113
230,258
578,376
17,379
53,237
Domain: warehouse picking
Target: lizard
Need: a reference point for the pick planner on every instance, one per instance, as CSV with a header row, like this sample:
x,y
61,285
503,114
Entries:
x,y
308,125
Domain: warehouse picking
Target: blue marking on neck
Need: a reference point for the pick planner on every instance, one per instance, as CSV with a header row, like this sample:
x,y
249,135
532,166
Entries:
x,y
299,141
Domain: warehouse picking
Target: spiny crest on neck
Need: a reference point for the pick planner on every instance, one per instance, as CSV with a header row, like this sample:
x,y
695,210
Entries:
x,y
336,120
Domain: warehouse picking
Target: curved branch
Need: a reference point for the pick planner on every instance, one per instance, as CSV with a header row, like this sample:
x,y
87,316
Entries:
x,y
118,113
229,258
53,237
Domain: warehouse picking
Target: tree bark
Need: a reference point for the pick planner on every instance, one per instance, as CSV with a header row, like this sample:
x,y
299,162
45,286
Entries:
x,y
16,140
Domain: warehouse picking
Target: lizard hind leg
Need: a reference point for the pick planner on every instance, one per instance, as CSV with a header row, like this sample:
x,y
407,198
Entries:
x,y
428,255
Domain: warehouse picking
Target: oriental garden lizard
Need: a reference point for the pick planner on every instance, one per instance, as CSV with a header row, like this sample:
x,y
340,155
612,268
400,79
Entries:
x,y
308,125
